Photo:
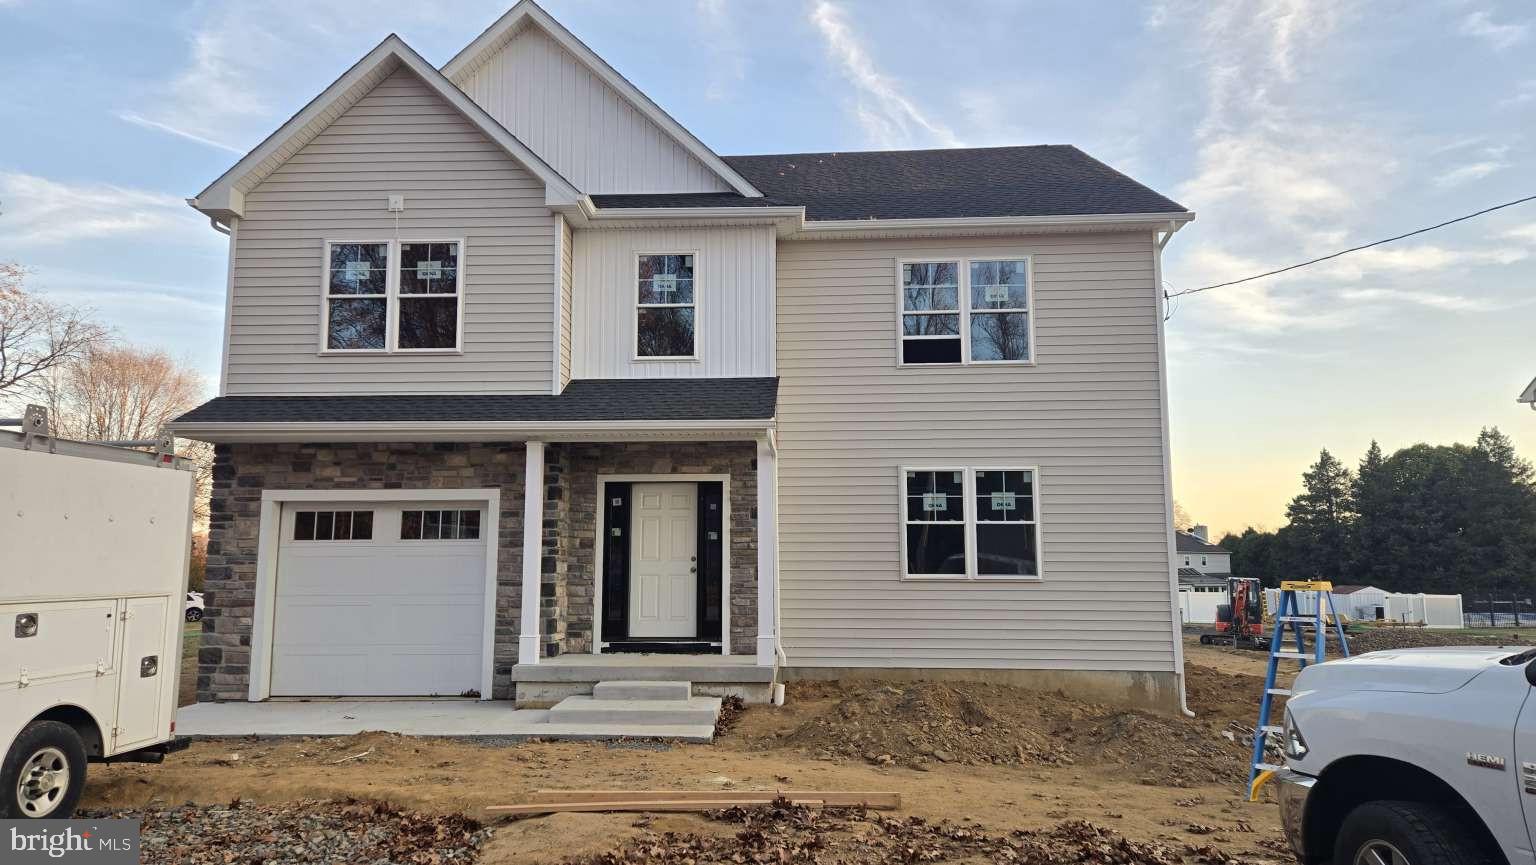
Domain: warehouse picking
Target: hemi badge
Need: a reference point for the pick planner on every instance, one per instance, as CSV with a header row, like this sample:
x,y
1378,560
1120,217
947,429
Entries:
x,y
1487,761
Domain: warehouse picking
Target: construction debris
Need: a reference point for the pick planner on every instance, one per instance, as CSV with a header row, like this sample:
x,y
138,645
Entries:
x,y
787,834
1376,639
558,801
306,831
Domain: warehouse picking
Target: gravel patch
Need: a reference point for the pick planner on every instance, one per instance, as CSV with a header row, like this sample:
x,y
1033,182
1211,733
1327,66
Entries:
x,y
308,831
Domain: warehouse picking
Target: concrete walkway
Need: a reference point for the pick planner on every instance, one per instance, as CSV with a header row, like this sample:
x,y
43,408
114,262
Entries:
x,y
409,717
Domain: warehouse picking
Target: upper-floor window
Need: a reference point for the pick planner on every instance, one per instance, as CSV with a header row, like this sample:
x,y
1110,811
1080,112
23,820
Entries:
x,y
966,311
393,296
665,306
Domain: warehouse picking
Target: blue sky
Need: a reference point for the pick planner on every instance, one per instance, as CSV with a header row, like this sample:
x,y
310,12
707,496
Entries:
x,y
1292,127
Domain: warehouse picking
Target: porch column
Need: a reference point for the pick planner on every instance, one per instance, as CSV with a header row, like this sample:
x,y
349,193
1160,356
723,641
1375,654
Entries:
x,y
767,553
533,535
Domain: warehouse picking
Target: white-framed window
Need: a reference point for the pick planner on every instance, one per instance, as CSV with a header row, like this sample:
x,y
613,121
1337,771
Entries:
x,y
970,522
666,306
333,526
1203,562
393,296
453,524
965,311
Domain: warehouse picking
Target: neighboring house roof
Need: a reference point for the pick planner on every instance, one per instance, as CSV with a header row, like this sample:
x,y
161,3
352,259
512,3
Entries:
x,y
1529,394
1192,577
1346,589
1038,180
527,12
1188,543
639,399
225,197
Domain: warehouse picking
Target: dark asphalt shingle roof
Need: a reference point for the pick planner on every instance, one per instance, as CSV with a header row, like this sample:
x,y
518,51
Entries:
x,y
1038,180
1188,543
669,399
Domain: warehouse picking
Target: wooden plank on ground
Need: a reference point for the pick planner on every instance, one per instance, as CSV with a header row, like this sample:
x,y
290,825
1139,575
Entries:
x,y
877,799
640,805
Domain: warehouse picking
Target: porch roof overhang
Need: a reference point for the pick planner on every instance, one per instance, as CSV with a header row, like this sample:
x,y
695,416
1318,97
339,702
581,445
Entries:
x,y
588,410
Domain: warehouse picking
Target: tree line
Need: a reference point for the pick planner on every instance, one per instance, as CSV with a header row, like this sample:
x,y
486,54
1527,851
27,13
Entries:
x,y
1441,519
96,386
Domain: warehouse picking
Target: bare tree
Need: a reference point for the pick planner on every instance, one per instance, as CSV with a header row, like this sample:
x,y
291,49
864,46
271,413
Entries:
x,y
118,393
37,336
1181,518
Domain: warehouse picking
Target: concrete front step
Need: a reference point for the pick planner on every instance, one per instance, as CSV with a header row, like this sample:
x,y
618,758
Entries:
x,y
638,713
591,732
642,690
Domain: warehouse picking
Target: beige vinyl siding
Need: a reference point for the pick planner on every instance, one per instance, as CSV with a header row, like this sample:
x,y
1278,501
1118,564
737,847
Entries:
x,y
399,138
1088,415
567,313
733,291
578,124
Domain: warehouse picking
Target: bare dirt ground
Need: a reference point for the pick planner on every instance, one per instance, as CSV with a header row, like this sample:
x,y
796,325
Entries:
x,y
996,760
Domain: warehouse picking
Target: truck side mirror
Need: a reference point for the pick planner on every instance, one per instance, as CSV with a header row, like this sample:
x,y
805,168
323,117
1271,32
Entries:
x,y
1530,672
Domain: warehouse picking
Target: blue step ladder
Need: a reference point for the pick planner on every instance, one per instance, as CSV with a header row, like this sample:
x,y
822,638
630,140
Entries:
x,y
1289,614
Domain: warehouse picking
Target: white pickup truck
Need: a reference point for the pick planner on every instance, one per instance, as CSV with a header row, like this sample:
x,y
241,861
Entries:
x,y
1412,757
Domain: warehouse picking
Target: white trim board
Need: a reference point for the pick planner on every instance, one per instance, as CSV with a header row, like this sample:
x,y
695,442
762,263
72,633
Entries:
x,y
267,542
526,12
225,197
725,549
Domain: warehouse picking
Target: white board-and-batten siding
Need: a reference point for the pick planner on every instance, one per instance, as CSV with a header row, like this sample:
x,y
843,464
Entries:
x,y
579,125
1088,415
733,291
458,185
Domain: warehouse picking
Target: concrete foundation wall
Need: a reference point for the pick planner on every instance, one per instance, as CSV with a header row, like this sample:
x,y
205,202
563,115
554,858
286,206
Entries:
x,y
1155,691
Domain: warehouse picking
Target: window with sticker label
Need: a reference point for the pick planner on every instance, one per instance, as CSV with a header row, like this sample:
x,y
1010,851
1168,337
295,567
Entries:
x,y
393,296
966,311
665,306
970,523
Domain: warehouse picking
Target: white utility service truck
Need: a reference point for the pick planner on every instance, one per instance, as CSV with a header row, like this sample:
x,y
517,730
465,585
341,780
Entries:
x,y
94,549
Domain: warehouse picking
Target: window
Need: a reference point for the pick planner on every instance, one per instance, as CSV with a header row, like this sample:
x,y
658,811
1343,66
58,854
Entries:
x,y
665,307
1203,562
445,525
935,522
393,296
333,526
356,296
1186,561
429,301
970,523
966,311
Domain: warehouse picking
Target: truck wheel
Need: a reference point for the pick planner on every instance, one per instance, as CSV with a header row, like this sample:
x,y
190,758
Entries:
x,y
44,772
1405,833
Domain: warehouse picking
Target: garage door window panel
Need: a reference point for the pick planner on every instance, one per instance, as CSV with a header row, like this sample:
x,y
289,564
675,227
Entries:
x,y
333,525
440,525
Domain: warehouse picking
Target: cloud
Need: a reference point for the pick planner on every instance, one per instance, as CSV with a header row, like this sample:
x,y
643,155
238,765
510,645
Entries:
x,y
727,55
1469,172
1525,92
1480,25
1433,300
888,117
1525,233
39,211
138,120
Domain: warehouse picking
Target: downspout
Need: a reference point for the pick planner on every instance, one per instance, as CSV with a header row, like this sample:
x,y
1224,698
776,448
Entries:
x,y
1162,384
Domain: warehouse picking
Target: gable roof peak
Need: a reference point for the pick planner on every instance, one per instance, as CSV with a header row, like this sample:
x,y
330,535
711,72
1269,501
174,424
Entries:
x,y
225,197
526,13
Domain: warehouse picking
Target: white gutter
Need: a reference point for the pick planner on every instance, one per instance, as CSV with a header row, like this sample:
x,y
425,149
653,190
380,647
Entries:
x,y
468,430
1162,386
1149,220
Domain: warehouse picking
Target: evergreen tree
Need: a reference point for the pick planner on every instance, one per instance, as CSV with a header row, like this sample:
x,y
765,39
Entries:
x,y
1373,514
1322,521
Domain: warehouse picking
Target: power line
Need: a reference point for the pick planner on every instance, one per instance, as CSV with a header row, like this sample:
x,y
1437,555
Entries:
x,y
1333,255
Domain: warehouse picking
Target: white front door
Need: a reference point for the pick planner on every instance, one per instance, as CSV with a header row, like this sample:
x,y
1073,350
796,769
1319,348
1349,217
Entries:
x,y
379,599
663,566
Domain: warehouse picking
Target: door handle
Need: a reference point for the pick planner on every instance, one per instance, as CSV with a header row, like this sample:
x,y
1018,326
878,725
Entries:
x,y
693,570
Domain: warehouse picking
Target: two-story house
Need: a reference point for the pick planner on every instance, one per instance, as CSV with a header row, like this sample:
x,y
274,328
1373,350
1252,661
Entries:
x,y
520,375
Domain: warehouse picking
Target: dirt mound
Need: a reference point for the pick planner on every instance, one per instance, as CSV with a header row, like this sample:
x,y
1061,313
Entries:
x,y
1217,696
913,723
920,723
786,834
1375,639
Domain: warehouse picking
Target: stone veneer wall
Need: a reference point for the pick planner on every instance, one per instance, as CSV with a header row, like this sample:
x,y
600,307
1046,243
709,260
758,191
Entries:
x,y
242,471
572,544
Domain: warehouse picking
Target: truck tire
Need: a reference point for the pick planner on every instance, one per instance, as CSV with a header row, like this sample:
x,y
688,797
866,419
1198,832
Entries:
x,y
1406,833
43,774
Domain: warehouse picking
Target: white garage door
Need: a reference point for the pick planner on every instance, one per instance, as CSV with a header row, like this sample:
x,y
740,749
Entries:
x,y
379,599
